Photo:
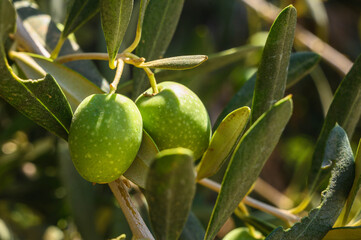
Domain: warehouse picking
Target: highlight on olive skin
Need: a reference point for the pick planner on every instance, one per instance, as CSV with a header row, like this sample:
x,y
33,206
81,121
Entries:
x,y
175,117
105,136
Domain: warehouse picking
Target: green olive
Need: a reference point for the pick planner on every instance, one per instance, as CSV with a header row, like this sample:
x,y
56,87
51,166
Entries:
x,y
105,136
175,117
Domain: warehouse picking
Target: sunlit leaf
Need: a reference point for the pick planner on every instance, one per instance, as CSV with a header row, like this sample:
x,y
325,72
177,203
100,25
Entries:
x,y
170,190
247,161
177,63
241,233
215,61
160,22
321,219
223,141
352,233
272,71
115,17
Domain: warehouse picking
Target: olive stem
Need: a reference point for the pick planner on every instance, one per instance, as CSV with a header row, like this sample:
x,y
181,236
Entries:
x,y
128,58
118,74
152,81
135,221
56,51
136,41
281,214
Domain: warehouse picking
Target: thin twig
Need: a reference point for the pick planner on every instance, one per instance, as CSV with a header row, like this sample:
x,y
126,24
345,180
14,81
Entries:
x,y
135,221
270,193
281,214
269,12
118,74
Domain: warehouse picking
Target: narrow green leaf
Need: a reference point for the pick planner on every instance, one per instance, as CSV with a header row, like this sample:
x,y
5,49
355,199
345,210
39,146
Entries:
x,y
138,171
7,19
272,71
246,163
352,233
177,63
40,100
241,233
75,86
35,29
170,190
356,184
223,141
215,61
115,17
321,219
80,194
142,8
193,230
78,13
301,64
160,22
345,110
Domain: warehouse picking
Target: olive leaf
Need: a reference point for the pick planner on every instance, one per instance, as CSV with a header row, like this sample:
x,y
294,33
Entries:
x,y
160,22
352,233
356,184
240,233
75,86
272,71
223,142
321,219
215,61
78,13
193,229
115,17
301,63
170,191
40,100
138,171
176,63
39,34
344,109
246,163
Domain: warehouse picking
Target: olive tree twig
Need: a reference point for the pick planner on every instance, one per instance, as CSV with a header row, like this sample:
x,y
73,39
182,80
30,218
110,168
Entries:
x,y
135,221
304,37
281,214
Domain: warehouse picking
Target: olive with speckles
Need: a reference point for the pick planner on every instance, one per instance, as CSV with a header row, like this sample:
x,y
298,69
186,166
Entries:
x,y
175,117
105,136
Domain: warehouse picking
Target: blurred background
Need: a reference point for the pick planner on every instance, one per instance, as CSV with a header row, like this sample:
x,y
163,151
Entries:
x,y
43,197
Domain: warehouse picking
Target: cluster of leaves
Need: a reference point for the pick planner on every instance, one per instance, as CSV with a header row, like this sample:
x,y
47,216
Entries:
x,y
243,140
